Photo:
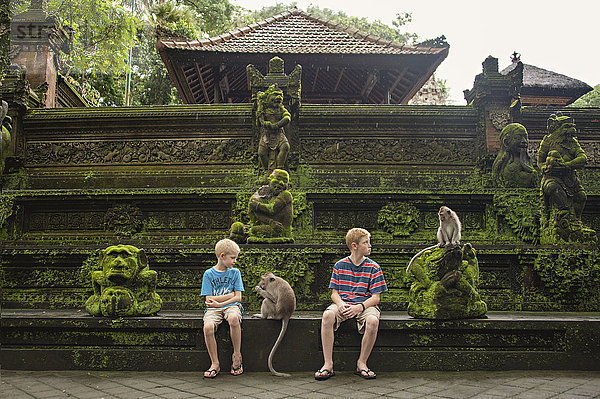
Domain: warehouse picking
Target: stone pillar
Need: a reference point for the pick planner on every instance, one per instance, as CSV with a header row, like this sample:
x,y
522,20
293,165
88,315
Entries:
x,y
36,40
495,96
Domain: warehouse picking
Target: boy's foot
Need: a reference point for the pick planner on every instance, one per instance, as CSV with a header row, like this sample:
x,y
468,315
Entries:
x,y
323,374
236,359
367,374
211,373
237,370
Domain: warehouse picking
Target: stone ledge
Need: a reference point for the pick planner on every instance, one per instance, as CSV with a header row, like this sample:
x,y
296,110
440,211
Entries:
x,y
172,340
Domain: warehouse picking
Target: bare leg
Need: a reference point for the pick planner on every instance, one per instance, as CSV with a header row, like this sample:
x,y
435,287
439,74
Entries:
x,y
211,347
368,341
327,336
235,331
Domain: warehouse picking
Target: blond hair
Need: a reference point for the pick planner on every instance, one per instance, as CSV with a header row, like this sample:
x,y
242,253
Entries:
x,y
354,235
226,247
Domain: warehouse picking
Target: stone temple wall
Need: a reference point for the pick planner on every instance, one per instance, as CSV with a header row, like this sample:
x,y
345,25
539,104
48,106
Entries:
x,y
172,179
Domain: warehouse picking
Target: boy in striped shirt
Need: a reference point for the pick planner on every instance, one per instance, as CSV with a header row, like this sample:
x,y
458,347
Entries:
x,y
356,284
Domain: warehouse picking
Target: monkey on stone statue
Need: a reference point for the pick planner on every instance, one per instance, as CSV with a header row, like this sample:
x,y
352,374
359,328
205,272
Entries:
x,y
448,233
279,304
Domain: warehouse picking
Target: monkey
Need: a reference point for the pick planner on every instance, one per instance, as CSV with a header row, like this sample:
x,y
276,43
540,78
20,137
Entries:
x,y
279,304
448,234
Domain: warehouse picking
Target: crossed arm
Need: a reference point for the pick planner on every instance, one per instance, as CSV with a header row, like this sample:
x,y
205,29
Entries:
x,y
218,301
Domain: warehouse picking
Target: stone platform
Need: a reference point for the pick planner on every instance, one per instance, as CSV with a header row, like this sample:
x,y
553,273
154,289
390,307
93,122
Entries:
x,y
173,340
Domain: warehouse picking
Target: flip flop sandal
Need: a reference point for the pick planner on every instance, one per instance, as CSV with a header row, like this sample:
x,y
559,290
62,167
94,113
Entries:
x,y
364,373
212,373
235,371
323,377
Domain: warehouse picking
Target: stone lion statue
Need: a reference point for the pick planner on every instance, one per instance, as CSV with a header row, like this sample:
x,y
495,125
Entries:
x,y
125,286
512,166
272,116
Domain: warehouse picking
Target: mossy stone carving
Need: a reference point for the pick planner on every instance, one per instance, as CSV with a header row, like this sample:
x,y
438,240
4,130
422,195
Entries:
x,y
5,137
445,282
512,166
272,116
564,198
125,286
271,213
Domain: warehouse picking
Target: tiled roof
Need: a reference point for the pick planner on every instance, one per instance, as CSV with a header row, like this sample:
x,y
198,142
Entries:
x,y
295,32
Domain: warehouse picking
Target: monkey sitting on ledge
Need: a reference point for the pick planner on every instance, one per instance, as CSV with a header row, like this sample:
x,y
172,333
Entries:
x,y
279,304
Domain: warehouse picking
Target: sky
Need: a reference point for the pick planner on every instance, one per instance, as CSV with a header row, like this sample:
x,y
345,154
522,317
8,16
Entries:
x,y
560,36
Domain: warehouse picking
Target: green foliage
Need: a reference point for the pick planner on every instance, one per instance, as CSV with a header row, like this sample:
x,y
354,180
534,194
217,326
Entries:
x,y
591,99
571,278
4,37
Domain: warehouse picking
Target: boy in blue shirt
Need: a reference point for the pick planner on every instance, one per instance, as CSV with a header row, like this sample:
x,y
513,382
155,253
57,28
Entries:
x,y
356,284
222,286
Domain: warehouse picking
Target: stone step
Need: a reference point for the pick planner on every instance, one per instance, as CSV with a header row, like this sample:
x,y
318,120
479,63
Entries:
x,y
173,340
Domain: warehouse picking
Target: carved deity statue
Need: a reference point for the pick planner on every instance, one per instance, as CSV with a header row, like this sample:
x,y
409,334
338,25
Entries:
x,y
512,166
272,116
271,213
445,285
6,123
125,286
559,156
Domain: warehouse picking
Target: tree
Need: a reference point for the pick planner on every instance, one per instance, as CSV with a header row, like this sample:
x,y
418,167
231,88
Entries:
x,y
590,99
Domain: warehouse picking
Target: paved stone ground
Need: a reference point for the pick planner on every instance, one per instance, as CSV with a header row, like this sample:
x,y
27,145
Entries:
x,y
168,385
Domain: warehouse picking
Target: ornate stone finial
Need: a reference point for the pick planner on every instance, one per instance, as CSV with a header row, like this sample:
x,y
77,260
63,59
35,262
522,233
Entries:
x,y
515,57
490,65
276,66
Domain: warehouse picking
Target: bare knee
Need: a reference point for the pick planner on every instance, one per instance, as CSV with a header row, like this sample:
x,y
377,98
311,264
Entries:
x,y
233,321
209,329
328,319
371,324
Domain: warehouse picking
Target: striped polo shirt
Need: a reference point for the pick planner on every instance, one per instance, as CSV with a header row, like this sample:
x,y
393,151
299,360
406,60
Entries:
x,y
356,284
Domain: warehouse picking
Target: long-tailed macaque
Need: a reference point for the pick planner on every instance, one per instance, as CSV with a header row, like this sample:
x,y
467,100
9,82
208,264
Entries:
x,y
279,304
448,233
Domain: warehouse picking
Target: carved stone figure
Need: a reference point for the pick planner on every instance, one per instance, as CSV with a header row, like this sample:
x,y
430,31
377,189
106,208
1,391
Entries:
x,y
125,286
445,285
559,156
272,116
270,209
512,166
6,123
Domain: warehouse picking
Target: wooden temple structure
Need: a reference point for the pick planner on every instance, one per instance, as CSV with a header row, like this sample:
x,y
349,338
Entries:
x,y
340,65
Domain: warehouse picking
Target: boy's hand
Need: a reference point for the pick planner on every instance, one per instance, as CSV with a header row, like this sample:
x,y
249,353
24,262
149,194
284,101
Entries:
x,y
351,311
211,303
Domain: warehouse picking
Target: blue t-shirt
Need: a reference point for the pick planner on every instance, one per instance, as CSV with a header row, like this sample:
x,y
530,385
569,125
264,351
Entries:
x,y
217,283
356,284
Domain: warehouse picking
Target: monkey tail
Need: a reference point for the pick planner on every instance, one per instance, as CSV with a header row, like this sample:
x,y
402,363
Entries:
x,y
284,324
417,255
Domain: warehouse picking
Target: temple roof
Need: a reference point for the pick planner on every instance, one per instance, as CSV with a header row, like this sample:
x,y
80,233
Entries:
x,y
541,82
340,64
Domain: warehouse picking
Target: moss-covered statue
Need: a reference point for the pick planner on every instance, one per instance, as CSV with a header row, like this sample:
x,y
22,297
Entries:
x,y
512,166
125,286
559,156
271,213
445,282
5,122
272,116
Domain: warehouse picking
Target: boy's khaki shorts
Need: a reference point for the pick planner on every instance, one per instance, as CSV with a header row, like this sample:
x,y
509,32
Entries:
x,y
217,315
361,318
